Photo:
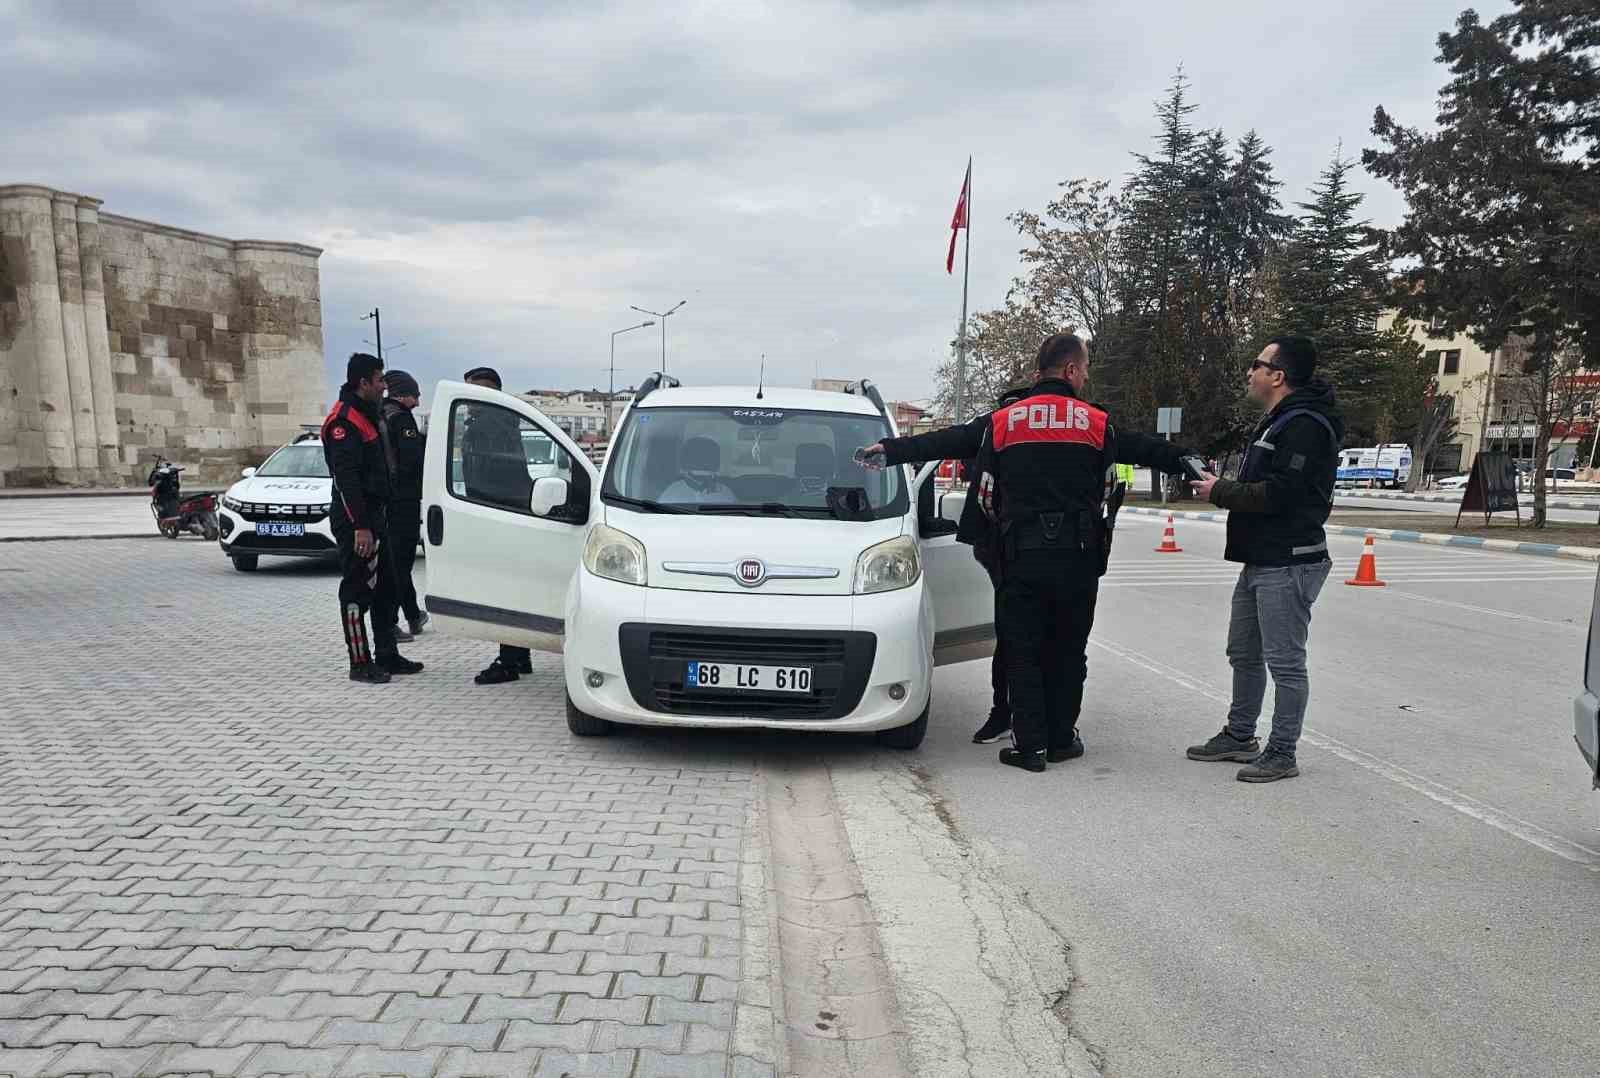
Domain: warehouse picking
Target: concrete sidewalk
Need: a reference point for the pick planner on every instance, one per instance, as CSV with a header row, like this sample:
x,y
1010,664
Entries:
x,y
76,517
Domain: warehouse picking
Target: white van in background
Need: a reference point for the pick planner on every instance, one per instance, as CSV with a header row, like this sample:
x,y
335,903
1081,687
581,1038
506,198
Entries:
x,y
1379,465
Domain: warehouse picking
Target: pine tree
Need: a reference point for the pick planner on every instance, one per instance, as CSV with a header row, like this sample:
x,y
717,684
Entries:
x,y
1503,222
1332,288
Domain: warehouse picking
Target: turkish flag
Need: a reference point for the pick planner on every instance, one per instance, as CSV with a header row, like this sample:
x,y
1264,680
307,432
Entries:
x,y
958,220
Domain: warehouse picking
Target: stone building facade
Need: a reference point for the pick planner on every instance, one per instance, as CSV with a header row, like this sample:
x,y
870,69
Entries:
x,y
121,340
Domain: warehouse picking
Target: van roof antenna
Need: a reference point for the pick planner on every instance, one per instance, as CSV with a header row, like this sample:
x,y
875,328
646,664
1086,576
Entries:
x,y
762,384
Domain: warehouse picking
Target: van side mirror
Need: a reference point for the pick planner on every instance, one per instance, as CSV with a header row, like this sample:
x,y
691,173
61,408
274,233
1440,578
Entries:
x,y
247,473
548,494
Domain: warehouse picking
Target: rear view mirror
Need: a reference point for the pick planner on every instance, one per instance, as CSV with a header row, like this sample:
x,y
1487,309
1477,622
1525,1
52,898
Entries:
x,y
548,493
247,473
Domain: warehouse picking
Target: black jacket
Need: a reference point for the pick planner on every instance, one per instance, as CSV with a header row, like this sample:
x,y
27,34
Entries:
x,y
1050,449
1279,503
494,465
353,443
407,448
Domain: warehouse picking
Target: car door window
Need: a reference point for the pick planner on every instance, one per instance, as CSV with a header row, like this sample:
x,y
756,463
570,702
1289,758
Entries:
x,y
496,455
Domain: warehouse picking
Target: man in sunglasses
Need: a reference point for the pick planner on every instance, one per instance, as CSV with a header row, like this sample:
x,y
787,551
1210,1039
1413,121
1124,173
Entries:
x,y
1276,510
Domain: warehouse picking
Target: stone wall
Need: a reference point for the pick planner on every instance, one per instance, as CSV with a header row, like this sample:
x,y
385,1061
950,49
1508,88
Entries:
x,y
121,340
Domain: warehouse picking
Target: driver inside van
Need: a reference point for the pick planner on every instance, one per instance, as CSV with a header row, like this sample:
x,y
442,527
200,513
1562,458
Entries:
x,y
700,461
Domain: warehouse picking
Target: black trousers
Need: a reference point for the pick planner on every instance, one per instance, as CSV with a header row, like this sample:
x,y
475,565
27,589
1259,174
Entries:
x,y
997,664
1044,615
405,528
366,584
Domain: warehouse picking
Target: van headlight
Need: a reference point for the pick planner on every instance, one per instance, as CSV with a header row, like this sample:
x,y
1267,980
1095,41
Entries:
x,y
614,555
887,566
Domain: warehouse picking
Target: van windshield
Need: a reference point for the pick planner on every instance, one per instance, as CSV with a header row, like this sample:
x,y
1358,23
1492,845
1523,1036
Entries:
x,y
757,461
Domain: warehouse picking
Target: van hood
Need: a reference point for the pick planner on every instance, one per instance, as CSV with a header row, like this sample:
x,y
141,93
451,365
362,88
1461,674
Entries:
x,y
689,552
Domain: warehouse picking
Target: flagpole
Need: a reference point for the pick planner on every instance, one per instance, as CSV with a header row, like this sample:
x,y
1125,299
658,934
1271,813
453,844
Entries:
x,y
966,266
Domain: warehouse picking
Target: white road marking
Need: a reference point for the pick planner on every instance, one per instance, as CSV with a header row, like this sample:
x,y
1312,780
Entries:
x,y
1488,610
1466,804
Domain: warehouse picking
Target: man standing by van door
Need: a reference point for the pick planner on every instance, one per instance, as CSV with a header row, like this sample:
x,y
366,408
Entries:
x,y
491,447
407,449
1048,457
1276,510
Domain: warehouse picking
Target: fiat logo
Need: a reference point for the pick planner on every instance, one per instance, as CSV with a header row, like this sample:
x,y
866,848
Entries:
x,y
752,571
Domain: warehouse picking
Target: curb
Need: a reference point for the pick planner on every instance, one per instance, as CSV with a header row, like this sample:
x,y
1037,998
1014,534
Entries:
x,y
1471,542
109,492
1440,498
76,538
835,1007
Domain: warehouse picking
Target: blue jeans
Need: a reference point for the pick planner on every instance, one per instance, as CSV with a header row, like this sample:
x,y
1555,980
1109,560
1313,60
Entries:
x,y
1267,631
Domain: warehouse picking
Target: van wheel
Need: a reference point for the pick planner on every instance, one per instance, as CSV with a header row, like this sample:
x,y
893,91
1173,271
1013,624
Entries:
x,y
586,725
245,563
910,735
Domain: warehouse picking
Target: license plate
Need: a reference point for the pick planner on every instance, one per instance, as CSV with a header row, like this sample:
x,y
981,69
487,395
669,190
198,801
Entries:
x,y
731,677
274,527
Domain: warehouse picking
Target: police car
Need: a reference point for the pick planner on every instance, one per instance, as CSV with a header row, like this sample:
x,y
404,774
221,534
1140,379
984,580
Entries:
x,y
280,508
732,566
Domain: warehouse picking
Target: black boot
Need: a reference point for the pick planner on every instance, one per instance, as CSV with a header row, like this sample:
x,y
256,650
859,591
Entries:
x,y
997,726
1071,751
1027,759
396,663
497,673
369,673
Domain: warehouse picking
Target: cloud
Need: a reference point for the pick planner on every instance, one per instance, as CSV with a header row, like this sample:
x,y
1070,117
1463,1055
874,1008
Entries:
x,y
504,180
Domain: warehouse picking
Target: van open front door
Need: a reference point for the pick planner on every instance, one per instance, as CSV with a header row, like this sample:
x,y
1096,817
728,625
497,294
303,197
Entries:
x,y
963,597
507,499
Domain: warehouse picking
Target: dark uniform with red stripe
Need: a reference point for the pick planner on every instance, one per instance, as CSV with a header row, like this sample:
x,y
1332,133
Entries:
x,y
353,441
1050,454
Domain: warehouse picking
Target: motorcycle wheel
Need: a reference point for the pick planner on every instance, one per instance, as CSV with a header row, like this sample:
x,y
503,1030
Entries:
x,y
208,528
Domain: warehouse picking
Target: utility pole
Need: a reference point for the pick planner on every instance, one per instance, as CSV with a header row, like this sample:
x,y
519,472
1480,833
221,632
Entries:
x,y
612,392
663,316
377,325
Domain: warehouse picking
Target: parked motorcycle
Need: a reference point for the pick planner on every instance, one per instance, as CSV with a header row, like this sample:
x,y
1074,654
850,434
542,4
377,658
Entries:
x,y
175,514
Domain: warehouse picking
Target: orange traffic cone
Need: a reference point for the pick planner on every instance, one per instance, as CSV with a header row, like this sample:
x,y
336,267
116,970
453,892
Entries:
x,y
1367,570
1169,540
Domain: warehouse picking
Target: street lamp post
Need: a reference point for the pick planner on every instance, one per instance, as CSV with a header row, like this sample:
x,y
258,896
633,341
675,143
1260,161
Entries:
x,y
663,316
613,390
377,325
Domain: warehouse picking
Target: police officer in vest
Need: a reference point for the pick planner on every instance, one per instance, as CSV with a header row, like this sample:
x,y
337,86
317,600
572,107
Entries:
x,y
354,444
1048,460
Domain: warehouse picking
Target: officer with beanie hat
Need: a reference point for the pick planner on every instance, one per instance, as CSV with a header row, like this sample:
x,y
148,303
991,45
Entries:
x,y
407,447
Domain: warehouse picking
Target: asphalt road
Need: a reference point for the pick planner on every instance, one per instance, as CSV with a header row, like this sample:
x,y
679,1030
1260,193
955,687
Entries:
x,y
1421,901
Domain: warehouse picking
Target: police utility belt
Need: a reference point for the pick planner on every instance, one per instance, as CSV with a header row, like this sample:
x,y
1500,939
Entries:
x,y
1082,529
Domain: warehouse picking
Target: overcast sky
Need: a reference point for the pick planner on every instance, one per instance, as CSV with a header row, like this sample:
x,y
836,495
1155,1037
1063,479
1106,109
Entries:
x,y
505,179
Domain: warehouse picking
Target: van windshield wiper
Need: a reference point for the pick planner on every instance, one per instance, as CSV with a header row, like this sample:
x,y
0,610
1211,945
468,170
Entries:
x,y
774,509
644,505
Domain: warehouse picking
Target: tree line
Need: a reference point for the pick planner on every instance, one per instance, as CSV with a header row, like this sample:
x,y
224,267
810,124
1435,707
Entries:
x,y
1182,272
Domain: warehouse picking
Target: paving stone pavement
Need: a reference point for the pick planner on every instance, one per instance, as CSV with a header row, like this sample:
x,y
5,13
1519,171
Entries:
x,y
217,855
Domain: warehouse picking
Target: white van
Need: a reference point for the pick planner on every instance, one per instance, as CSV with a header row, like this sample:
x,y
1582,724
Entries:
x,y
732,567
1386,465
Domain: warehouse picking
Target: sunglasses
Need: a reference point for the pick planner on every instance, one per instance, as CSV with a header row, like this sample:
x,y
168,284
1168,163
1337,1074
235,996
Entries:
x,y
1255,364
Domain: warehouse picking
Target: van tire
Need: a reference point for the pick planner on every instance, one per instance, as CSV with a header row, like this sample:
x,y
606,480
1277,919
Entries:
x,y
909,736
587,725
245,563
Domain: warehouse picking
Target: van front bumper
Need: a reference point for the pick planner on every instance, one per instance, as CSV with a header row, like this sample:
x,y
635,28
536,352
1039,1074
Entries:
x,y
865,651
